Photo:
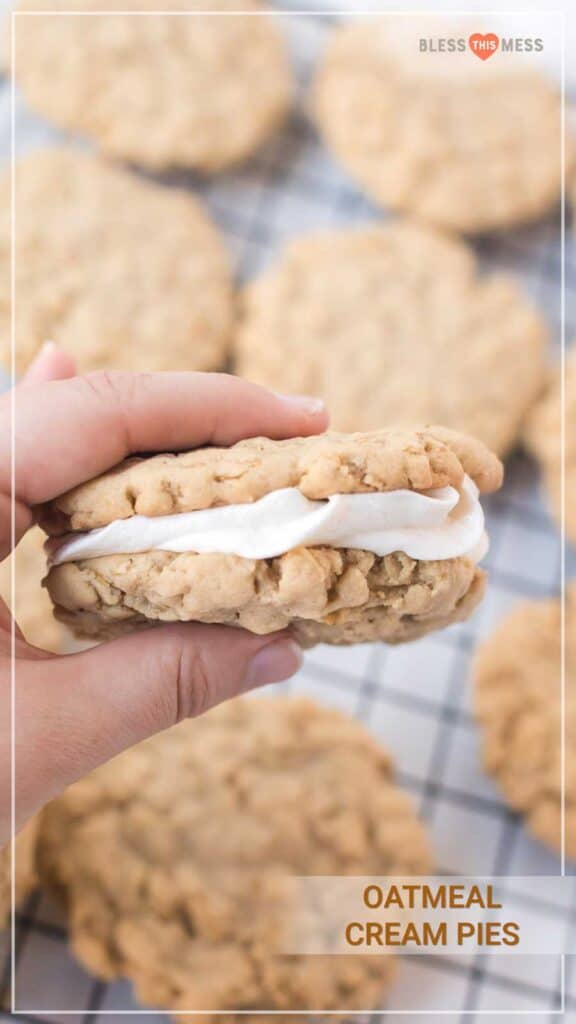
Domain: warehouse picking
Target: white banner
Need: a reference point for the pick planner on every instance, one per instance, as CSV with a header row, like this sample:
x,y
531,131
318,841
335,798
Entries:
x,y
438,915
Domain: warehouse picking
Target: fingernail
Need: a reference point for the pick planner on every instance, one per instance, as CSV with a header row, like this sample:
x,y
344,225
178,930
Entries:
x,y
45,350
36,366
305,403
273,663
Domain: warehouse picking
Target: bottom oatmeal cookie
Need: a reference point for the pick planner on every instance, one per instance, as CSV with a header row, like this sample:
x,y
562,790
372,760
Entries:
x,y
170,859
325,595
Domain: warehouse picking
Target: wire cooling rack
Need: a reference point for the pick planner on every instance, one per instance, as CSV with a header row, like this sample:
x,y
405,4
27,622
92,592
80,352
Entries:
x,y
416,698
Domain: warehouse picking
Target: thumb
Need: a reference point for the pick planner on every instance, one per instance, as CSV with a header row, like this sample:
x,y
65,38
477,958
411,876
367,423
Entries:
x,y
77,711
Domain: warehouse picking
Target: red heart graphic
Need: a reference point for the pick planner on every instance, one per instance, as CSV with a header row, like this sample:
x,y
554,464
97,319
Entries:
x,y
483,45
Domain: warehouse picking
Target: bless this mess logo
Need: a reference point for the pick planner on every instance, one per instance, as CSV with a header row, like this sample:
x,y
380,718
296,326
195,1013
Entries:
x,y
482,44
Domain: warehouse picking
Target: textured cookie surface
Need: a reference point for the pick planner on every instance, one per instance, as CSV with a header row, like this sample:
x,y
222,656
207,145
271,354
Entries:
x,y
544,438
192,89
169,857
331,595
25,869
325,595
34,612
326,464
518,705
394,324
453,145
120,272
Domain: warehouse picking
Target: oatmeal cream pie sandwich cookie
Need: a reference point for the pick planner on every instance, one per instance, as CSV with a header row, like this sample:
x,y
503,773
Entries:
x,y
343,538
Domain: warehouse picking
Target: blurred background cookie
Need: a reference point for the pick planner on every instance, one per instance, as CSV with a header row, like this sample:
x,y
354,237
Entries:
x,y
518,706
120,272
199,91
438,138
393,324
543,436
33,612
25,857
202,823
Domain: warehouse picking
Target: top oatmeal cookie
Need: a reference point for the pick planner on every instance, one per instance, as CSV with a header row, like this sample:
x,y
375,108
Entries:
x,y
192,87
395,324
121,272
319,466
460,144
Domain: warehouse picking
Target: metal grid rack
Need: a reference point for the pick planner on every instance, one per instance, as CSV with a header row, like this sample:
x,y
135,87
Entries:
x,y
415,699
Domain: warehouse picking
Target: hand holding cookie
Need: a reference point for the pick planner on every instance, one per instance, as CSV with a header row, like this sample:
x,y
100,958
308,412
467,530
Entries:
x,y
77,711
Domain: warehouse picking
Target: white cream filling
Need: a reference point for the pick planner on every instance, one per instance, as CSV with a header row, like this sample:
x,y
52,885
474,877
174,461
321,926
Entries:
x,y
428,526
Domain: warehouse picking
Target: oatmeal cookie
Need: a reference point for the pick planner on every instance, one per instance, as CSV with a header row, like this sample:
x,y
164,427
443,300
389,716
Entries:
x,y
437,137
394,324
120,272
543,435
319,466
324,590
196,88
518,706
170,859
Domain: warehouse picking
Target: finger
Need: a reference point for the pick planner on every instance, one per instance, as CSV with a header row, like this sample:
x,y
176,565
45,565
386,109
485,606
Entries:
x,y
69,431
78,711
51,363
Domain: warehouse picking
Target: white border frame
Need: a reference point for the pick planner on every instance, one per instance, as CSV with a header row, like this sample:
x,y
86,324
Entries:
x,y
328,12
